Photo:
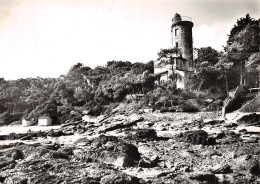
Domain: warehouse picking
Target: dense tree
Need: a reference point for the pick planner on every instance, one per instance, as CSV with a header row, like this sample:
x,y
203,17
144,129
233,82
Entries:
x,y
207,54
165,56
239,26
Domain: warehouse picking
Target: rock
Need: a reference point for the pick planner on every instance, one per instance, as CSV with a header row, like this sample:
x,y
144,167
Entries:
x,y
254,169
220,135
204,177
6,163
145,149
146,163
144,134
221,169
250,119
2,179
117,153
58,155
246,164
119,178
248,138
198,137
133,119
186,154
213,121
210,153
15,154
154,158
185,169
242,131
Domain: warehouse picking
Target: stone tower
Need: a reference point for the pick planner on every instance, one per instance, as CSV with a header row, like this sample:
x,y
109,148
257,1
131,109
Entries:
x,y
181,30
184,66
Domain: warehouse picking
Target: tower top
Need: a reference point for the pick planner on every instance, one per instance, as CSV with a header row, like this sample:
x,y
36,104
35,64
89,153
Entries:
x,y
178,19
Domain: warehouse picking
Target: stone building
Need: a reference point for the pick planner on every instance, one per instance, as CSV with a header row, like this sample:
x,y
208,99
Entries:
x,y
184,65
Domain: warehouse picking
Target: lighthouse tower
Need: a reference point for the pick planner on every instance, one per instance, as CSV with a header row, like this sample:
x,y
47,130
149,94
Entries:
x,y
181,31
181,64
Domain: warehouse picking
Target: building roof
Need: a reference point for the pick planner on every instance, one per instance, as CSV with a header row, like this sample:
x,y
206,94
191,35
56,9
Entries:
x,y
176,18
44,117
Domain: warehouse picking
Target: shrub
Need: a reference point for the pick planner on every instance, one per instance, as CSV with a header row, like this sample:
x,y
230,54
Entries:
x,y
252,105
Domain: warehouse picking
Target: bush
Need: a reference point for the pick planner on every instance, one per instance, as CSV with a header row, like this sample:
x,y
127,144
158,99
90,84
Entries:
x,y
252,105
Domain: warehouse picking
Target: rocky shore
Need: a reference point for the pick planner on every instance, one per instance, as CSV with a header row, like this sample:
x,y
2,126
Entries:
x,y
137,148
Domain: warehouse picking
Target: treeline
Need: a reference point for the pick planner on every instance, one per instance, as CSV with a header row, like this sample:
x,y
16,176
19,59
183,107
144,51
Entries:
x,y
92,90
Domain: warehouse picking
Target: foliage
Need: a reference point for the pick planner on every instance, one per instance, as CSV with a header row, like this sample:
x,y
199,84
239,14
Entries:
x,y
207,54
239,26
165,56
252,105
253,62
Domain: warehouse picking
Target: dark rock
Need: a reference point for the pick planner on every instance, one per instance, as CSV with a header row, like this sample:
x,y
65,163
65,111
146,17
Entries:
x,y
119,178
230,125
15,154
251,119
205,177
254,169
58,155
147,163
220,135
51,146
249,165
143,134
2,179
198,137
6,162
242,131
167,109
66,150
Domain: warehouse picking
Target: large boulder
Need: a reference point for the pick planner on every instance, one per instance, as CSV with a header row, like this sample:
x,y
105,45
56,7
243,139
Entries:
x,y
248,164
198,137
142,134
109,150
250,119
15,154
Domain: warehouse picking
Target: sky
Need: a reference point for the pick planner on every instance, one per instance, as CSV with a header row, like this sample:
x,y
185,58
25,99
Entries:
x,y
46,37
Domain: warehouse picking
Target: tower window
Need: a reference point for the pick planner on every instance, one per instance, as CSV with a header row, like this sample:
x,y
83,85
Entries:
x,y
176,32
190,64
176,44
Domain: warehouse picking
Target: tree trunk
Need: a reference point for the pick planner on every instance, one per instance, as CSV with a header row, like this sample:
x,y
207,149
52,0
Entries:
x,y
172,73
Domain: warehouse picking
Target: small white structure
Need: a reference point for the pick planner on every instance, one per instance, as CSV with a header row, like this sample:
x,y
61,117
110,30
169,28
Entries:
x,y
26,123
88,118
44,121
